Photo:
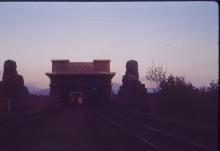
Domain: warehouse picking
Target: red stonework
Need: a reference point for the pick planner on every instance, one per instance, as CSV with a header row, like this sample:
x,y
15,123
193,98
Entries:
x,y
89,78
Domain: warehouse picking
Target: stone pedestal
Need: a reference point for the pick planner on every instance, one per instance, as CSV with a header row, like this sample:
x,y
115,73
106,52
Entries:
x,y
5,105
132,93
12,87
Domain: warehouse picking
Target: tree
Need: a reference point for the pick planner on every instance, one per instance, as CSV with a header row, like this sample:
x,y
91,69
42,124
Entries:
x,y
214,86
179,98
156,74
177,85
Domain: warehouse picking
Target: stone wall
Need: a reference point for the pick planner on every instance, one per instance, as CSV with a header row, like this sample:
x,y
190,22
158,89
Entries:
x,y
64,66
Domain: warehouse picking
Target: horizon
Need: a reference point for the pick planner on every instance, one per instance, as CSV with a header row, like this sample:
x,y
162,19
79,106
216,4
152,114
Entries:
x,y
181,36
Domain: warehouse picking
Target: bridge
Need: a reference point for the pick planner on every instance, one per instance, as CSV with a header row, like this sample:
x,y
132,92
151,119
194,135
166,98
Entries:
x,y
90,121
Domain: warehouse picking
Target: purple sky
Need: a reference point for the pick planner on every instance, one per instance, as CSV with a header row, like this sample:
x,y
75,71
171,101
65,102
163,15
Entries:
x,y
182,36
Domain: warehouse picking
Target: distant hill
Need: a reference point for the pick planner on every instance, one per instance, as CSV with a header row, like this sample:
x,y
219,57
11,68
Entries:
x,y
44,92
115,87
36,90
152,90
39,91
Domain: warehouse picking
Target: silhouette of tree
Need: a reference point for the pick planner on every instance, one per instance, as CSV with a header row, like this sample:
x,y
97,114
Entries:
x,y
214,86
156,74
176,84
179,98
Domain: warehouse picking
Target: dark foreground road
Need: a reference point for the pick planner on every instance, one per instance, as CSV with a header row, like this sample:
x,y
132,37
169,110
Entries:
x,y
66,131
86,130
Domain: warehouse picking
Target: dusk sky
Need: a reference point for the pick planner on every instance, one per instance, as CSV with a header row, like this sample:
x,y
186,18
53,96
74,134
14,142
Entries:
x,y
182,36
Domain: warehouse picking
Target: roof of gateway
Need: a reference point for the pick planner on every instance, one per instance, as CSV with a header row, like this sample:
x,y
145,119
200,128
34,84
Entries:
x,y
68,68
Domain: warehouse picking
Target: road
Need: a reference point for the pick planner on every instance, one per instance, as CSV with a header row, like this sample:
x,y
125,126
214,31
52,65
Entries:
x,y
67,131
83,130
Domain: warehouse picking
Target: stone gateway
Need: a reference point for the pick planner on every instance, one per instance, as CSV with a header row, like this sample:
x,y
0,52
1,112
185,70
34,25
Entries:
x,y
88,82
